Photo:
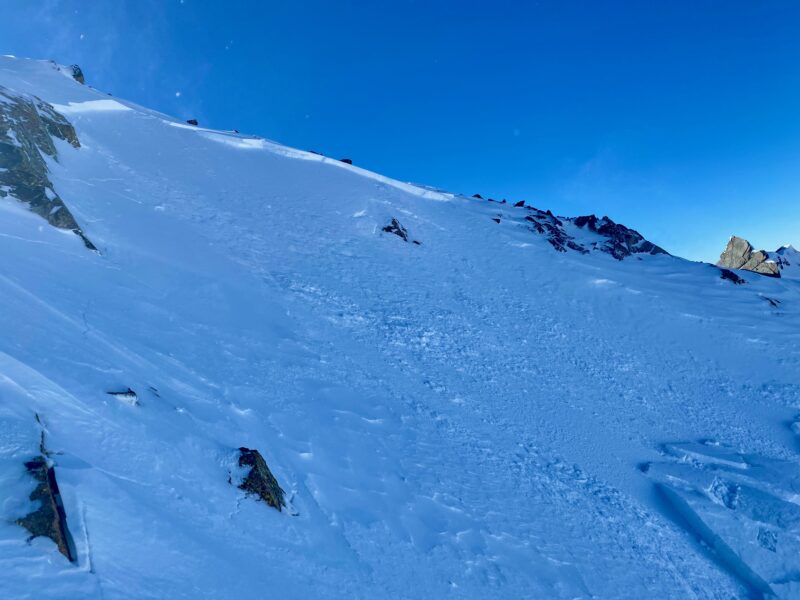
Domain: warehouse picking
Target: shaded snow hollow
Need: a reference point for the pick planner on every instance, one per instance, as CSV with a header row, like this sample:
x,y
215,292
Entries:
x,y
476,416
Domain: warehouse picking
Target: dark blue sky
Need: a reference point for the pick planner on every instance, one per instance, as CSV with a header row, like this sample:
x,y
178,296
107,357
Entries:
x,y
678,118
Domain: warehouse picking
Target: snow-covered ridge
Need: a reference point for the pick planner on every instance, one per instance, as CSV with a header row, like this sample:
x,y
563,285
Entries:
x,y
788,259
478,415
603,234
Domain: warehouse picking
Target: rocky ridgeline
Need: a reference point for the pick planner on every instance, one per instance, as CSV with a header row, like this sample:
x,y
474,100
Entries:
x,y
27,129
609,237
621,241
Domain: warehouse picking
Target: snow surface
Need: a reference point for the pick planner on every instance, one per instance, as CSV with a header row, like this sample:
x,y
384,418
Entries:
x,y
89,106
478,416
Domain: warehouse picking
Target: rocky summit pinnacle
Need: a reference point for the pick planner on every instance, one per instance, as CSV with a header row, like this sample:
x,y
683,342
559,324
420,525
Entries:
x,y
739,254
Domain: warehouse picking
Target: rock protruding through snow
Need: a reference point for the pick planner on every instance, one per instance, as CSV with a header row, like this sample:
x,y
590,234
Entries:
x,y
77,74
127,395
729,275
739,254
27,128
621,241
397,229
545,223
610,237
260,480
49,518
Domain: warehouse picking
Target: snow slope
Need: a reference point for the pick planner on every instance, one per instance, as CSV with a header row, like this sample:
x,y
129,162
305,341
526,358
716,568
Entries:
x,y
478,416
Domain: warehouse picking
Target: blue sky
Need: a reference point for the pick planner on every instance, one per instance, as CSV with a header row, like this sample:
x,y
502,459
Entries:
x,y
678,118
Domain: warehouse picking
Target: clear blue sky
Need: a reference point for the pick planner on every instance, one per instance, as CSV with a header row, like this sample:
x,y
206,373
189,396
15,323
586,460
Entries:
x,y
678,118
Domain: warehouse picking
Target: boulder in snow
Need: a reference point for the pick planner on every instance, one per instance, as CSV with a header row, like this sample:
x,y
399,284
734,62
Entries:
x,y
260,480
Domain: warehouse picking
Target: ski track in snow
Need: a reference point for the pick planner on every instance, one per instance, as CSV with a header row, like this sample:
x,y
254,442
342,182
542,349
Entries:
x,y
464,418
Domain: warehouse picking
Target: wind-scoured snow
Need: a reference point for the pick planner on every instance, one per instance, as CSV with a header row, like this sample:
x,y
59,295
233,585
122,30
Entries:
x,y
476,416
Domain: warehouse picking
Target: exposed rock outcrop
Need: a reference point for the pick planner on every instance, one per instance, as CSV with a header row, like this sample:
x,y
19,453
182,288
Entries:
x,y
619,241
128,396
77,74
546,223
739,254
27,128
397,229
49,519
622,241
260,480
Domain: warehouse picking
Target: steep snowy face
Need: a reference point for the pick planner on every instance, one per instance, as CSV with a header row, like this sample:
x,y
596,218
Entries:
x,y
283,372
